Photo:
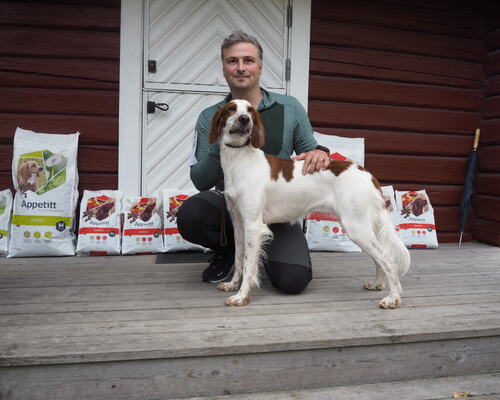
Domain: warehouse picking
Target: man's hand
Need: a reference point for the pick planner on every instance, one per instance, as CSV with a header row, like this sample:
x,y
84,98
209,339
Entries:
x,y
314,160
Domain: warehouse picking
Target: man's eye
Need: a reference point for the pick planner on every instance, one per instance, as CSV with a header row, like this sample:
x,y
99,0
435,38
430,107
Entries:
x,y
249,60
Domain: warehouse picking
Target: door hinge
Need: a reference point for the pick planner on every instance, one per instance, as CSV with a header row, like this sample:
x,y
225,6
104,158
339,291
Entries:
x,y
152,66
152,106
289,16
288,67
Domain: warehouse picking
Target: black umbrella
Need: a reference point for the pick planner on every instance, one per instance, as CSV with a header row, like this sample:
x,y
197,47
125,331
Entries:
x,y
468,186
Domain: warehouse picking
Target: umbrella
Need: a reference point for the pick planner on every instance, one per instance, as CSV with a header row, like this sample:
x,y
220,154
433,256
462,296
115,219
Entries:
x,y
468,186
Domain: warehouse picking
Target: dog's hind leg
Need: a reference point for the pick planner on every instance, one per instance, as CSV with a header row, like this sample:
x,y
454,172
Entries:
x,y
379,283
365,238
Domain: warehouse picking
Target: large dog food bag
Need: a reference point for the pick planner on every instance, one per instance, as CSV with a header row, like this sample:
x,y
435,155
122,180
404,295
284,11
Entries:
x,y
324,231
172,201
100,223
417,228
46,180
142,227
5,209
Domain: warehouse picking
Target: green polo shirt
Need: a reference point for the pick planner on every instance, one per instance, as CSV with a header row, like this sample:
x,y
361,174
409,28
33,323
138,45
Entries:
x,y
287,129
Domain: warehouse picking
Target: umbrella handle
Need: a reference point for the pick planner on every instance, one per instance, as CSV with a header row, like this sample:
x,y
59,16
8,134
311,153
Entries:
x,y
476,139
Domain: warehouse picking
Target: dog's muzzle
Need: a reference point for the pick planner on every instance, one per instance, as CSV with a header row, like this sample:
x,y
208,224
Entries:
x,y
241,127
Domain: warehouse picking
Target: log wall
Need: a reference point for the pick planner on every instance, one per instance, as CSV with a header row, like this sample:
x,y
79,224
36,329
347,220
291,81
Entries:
x,y
487,201
407,76
59,69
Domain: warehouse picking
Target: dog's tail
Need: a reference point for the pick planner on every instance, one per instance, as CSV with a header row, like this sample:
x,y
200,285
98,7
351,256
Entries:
x,y
391,243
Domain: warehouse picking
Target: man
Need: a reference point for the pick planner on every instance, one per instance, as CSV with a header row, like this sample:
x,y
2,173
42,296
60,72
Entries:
x,y
203,218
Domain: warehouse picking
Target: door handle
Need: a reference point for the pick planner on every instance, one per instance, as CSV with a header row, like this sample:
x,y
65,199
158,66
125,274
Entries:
x,y
152,106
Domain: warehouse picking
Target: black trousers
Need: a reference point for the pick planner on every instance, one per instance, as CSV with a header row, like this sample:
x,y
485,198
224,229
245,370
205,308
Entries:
x,y
288,264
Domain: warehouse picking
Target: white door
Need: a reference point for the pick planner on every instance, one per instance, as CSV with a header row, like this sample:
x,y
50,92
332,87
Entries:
x,y
183,71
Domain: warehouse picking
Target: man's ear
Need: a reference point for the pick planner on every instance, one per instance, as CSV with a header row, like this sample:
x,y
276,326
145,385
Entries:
x,y
216,125
257,135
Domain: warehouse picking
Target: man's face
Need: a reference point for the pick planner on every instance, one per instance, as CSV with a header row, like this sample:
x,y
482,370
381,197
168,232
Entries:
x,y
241,66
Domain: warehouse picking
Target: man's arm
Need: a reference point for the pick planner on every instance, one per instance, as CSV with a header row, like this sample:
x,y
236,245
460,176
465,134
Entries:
x,y
206,170
306,146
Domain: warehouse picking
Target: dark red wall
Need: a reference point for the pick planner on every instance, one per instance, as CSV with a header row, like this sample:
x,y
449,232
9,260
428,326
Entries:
x,y
59,69
487,200
408,77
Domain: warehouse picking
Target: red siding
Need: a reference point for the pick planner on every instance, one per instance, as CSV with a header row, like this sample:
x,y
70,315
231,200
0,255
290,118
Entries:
x,y
487,200
407,76
59,68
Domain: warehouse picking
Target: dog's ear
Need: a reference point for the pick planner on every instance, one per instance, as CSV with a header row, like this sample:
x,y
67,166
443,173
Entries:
x,y
218,122
22,171
257,135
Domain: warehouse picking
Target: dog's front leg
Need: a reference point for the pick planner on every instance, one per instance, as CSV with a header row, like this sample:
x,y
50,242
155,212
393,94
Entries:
x,y
254,232
239,240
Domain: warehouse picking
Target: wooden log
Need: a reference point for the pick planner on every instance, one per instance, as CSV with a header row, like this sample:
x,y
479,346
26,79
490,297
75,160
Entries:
x,y
60,101
42,42
460,22
490,132
94,129
488,183
489,159
61,16
487,207
362,36
393,93
390,117
400,142
491,107
491,63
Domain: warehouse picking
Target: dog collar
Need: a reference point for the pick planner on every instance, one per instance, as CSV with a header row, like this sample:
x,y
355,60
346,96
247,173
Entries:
x,y
237,147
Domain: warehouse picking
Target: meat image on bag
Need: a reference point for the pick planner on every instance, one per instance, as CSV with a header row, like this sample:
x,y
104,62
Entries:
x,y
172,201
99,232
142,229
5,208
46,179
417,228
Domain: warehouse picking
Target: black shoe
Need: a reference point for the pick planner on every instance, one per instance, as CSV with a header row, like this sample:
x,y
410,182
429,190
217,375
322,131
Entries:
x,y
220,268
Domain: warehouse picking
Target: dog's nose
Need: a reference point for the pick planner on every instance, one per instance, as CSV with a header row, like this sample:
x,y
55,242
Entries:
x,y
243,119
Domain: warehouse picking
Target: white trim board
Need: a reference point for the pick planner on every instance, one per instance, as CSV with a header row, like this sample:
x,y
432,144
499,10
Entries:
x,y
131,82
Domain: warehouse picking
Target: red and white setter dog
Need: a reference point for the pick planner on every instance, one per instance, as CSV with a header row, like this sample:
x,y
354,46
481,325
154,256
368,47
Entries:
x,y
261,189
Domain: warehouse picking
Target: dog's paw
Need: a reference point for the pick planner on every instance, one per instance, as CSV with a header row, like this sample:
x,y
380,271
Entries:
x,y
237,301
374,286
227,287
390,302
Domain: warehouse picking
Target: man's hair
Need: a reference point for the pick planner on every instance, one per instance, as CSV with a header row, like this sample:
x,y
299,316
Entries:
x,y
239,37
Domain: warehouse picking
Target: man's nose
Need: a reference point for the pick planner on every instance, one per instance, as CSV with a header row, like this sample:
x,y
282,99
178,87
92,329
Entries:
x,y
243,120
241,66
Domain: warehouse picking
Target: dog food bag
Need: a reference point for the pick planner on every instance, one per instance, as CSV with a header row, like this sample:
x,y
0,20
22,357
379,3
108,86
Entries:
x,y
5,209
172,201
390,205
142,227
46,180
100,222
324,231
417,228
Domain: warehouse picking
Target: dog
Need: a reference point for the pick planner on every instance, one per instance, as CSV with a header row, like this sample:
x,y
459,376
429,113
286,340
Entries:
x,y
28,173
261,189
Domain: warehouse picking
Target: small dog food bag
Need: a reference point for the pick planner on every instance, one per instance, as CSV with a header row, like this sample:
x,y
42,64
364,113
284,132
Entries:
x,y
172,201
324,231
390,205
417,228
142,226
5,209
46,180
100,223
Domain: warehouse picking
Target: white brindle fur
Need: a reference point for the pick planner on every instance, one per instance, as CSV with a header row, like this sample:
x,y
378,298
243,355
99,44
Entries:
x,y
262,189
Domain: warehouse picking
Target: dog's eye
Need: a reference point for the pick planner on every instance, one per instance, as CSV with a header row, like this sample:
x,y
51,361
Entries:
x,y
232,108
251,109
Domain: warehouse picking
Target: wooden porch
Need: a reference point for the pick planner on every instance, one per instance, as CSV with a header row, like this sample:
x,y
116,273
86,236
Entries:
x,y
127,328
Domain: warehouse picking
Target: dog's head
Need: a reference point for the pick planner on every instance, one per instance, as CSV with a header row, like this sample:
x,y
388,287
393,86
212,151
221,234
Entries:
x,y
236,124
29,169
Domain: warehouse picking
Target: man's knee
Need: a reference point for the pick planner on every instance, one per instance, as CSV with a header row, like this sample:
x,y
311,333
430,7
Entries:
x,y
289,278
